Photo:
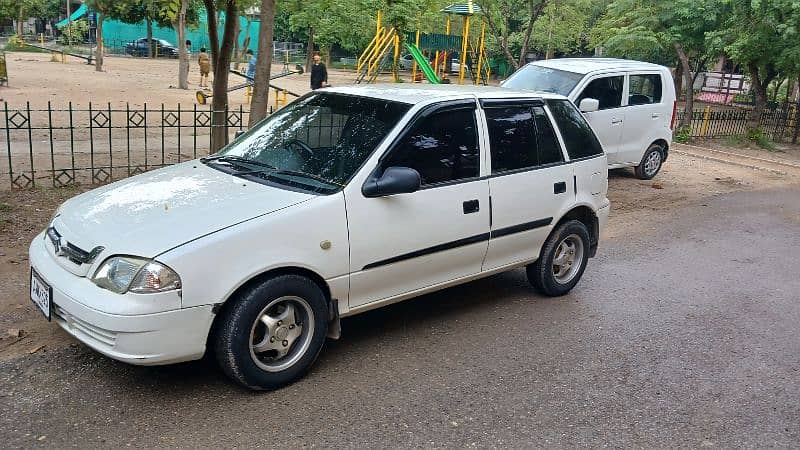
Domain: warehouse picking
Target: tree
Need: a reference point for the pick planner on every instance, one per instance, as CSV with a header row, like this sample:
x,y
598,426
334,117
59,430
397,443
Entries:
x,y
21,10
258,105
510,20
562,27
220,62
635,27
767,46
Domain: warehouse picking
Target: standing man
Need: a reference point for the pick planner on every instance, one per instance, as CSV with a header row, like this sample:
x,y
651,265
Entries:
x,y
319,74
251,64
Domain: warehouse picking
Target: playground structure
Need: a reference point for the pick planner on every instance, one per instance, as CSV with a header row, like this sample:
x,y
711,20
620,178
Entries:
x,y
472,56
281,95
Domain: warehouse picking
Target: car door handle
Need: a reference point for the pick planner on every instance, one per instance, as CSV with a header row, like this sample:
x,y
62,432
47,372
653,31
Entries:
x,y
615,121
560,187
471,206
655,115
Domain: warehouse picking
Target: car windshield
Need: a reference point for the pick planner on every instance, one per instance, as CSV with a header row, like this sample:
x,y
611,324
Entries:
x,y
314,144
544,79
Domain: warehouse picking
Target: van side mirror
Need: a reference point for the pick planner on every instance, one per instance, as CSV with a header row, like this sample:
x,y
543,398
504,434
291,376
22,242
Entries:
x,y
589,105
395,180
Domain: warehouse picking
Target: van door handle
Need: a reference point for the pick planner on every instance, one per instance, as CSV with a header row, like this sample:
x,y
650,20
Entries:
x,y
471,206
560,187
655,115
615,121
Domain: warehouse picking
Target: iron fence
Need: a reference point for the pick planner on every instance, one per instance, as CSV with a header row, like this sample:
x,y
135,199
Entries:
x,y
777,124
98,144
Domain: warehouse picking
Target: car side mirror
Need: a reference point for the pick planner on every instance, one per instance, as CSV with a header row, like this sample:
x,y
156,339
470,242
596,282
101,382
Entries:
x,y
395,180
589,105
239,134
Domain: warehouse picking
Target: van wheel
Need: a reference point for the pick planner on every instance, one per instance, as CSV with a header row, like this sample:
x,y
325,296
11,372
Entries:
x,y
562,260
272,332
651,163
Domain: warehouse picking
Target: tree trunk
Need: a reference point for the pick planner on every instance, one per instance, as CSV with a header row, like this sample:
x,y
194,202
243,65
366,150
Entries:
x,y
183,55
258,105
19,20
536,11
503,37
213,30
150,53
310,49
759,85
687,78
236,32
219,90
789,92
245,42
796,117
775,92
678,79
98,60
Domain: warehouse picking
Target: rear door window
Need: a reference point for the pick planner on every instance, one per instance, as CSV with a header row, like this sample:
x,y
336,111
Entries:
x,y
606,90
578,136
644,89
521,137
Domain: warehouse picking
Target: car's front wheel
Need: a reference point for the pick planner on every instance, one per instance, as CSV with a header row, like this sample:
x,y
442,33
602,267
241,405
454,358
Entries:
x,y
272,332
562,260
651,163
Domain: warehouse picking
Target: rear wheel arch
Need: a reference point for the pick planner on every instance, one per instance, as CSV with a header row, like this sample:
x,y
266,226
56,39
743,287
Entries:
x,y
664,147
587,216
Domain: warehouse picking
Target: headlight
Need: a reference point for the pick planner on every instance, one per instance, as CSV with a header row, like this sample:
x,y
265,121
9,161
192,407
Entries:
x,y
138,275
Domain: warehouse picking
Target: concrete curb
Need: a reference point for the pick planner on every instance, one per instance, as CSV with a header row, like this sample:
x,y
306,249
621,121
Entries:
x,y
726,161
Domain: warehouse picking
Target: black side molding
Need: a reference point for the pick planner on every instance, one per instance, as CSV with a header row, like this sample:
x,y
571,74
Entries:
x,y
527,226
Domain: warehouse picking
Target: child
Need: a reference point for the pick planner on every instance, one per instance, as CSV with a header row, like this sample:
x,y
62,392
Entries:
x,y
205,66
251,64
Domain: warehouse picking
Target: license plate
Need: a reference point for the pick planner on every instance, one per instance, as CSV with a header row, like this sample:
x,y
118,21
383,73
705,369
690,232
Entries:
x,y
41,293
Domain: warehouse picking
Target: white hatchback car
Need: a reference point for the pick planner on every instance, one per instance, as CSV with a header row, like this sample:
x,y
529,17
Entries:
x,y
348,199
631,105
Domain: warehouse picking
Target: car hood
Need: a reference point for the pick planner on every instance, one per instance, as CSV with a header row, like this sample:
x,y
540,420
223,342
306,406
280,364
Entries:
x,y
148,214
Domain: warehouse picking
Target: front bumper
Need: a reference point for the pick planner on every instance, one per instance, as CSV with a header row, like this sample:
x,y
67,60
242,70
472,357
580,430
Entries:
x,y
142,339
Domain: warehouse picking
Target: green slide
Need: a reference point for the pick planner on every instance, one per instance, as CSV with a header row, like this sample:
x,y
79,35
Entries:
x,y
423,64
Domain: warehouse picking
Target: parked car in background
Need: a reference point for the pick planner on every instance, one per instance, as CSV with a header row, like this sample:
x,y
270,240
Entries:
x,y
160,47
630,104
347,199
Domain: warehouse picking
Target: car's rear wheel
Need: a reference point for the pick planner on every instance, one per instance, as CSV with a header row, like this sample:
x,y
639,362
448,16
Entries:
x,y
651,162
562,260
272,332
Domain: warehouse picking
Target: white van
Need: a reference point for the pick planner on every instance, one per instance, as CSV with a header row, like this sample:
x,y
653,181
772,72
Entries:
x,y
630,104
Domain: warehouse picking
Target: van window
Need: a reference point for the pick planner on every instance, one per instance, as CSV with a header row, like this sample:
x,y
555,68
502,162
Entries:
x,y
545,79
606,90
441,147
576,132
644,89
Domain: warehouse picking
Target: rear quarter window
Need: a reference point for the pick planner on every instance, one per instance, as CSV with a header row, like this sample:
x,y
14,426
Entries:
x,y
575,130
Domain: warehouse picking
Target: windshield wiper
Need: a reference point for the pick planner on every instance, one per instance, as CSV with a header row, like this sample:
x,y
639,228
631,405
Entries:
x,y
236,159
271,172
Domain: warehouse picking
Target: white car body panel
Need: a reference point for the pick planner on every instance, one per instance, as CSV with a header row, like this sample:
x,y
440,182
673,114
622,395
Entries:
x,y
218,232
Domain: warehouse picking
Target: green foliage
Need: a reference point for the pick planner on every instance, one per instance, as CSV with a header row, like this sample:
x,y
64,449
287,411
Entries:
x,y
40,9
562,27
74,32
757,136
682,135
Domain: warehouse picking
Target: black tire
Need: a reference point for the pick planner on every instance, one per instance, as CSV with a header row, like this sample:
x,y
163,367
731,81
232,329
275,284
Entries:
x,y
645,172
233,336
540,273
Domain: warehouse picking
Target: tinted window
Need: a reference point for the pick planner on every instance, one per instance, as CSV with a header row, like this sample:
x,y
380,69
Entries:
x,y
545,79
512,135
576,132
644,89
607,90
549,150
441,147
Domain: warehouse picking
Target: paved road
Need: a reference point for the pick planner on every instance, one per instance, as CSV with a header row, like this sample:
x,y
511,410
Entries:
x,y
685,337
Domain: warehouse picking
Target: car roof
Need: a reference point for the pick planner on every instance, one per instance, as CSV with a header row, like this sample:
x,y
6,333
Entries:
x,y
588,65
419,93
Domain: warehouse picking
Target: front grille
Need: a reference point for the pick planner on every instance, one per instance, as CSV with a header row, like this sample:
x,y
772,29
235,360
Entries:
x,y
81,328
70,251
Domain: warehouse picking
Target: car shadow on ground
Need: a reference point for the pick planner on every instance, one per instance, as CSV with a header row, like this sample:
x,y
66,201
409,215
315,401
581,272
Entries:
x,y
458,306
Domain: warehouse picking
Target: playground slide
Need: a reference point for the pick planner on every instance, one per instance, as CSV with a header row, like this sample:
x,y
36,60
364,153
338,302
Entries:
x,y
75,16
423,64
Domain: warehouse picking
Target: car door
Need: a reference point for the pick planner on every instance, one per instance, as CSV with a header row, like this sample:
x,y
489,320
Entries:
x,y
530,185
609,119
644,114
406,242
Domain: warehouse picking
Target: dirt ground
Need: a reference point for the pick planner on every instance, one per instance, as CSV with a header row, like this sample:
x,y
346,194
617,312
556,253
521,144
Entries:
x,y
32,77
636,205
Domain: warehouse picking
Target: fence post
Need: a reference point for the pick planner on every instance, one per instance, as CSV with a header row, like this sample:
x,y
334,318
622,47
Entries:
x,y
706,115
8,142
